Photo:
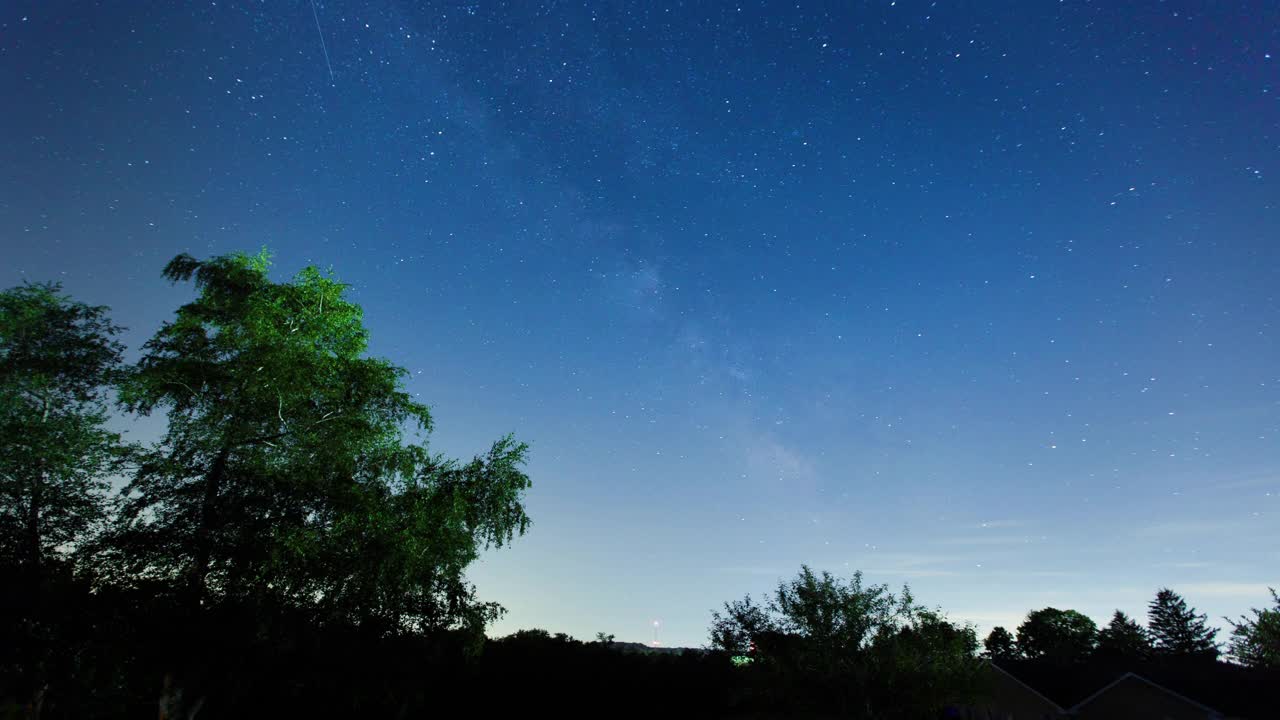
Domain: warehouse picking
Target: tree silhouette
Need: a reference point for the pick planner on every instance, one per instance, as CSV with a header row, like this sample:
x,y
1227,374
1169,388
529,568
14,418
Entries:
x,y
851,648
1000,644
1058,635
743,623
1176,629
1124,638
1255,641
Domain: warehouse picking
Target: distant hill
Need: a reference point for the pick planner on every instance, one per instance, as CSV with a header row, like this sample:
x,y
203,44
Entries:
x,y
635,647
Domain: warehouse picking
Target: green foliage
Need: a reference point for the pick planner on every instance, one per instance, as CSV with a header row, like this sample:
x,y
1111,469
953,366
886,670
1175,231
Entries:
x,y
1177,631
58,358
1124,638
1000,644
286,477
1058,635
1255,641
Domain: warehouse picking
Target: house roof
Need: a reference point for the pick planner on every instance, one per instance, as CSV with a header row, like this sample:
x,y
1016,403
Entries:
x,y
1139,678
1232,690
1064,687
1030,689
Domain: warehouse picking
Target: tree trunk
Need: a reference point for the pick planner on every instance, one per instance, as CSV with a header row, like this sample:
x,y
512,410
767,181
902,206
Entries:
x,y
38,482
33,530
36,707
171,705
208,521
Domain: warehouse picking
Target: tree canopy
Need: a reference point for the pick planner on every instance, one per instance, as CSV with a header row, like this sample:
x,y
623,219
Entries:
x,y
58,360
294,470
1000,645
1255,641
1057,635
859,649
1124,638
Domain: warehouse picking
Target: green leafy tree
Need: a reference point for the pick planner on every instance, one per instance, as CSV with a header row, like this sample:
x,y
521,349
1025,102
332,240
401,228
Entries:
x,y
1176,629
1000,644
58,358
1123,638
1056,635
294,472
1255,641
286,471
395,554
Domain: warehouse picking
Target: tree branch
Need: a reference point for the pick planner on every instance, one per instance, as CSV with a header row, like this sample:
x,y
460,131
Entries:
x,y
184,385
276,436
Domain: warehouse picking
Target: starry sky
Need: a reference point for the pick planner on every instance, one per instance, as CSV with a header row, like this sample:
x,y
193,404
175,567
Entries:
x,y
976,296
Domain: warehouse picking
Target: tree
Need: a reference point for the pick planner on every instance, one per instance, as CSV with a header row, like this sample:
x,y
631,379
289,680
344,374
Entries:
x,y
1123,638
392,552
294,472
924,664
58,357
1255,641
856,648
1176,629
1000,644
1057,635
743,623
605,639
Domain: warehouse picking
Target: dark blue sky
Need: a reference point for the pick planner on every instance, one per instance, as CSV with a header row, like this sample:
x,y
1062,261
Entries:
x,y
977,296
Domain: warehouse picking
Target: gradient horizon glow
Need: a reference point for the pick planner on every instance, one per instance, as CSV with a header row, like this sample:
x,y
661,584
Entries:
x,y
976,296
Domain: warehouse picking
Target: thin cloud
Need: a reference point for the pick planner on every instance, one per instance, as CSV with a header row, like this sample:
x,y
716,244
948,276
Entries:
x,y
987,540
1189,527
1228,589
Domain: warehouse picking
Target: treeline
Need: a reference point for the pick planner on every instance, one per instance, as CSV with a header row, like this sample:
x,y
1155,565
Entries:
x,y
291,515
1174,632
826,646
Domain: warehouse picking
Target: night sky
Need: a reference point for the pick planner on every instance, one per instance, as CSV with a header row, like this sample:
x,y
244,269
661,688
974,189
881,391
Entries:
x,y
982,297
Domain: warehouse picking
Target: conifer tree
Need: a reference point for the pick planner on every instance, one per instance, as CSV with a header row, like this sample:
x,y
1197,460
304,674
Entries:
x,y
1176,629
1124,638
